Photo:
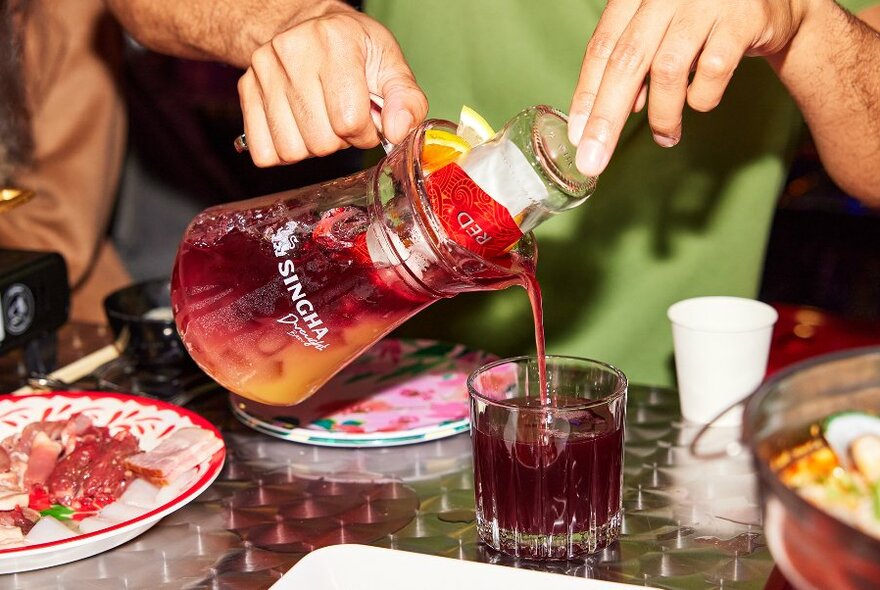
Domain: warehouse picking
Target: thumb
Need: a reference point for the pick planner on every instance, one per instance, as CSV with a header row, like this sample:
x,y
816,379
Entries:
x,y
405,105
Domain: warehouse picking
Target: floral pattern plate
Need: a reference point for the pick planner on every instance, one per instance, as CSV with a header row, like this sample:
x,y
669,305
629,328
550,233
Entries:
x,y
399,392
148,420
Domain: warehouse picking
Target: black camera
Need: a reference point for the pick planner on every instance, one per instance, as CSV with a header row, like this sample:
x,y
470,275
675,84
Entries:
x,y
34,296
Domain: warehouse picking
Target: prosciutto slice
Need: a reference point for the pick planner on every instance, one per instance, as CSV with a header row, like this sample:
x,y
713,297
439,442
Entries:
x,y
183,450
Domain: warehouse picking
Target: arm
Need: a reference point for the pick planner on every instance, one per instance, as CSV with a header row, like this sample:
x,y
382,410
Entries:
x,y
311,66
223,30
828,60
837,88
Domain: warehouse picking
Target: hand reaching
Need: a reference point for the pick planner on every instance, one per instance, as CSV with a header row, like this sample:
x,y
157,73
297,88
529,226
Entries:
x,y
679,51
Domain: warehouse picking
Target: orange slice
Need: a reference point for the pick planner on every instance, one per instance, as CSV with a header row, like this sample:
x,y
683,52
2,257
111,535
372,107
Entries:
x,y
441,148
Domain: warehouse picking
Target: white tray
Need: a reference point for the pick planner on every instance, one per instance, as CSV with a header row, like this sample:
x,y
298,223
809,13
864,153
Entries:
x,y
361,567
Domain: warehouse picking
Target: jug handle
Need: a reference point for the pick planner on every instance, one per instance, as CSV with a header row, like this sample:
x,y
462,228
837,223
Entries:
x,y
731,449
376,103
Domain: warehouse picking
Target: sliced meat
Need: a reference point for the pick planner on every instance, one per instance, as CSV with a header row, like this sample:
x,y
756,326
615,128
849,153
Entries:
x,y
65,480
51,429
77,426
183,450
94,474
109,476
41,461
31,454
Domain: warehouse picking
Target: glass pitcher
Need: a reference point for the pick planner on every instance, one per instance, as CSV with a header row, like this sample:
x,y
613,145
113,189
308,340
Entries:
x,y
274,295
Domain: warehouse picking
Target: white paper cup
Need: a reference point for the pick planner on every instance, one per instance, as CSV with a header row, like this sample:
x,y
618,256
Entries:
x,y
721,349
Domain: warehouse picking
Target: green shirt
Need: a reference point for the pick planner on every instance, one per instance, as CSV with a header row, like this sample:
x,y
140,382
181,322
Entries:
x,y
663,224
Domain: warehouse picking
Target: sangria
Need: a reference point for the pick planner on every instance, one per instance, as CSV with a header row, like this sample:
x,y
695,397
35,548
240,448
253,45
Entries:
x,y
548,473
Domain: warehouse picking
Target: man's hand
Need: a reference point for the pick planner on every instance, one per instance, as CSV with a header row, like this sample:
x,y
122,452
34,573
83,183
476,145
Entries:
x,y
680,51
311,65
307,91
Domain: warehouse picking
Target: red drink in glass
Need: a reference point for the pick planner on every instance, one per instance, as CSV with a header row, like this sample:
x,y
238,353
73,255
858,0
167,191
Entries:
x,y
548,474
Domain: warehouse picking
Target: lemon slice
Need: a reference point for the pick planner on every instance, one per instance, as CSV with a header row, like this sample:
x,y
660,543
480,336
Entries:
x,y
472,127
439,137
441,148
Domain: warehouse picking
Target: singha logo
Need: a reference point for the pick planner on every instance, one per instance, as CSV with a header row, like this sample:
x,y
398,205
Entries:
x,y
284,240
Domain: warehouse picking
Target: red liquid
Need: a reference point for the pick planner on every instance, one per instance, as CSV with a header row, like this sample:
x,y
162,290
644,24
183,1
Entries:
x,y
548,483
530,282
489,231
273,296
274,326
551,487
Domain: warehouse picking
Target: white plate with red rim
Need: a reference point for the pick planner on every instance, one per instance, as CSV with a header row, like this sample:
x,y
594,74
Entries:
x,y
150,421
376,568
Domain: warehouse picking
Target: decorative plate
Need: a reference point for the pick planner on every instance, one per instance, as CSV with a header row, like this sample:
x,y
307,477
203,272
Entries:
x,y
148,420
399,392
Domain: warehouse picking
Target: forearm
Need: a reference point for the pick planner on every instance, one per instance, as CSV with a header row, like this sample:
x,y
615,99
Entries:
x,y
832,69
221,30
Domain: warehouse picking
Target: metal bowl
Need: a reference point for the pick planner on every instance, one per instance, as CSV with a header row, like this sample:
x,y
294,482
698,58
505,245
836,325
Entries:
x,y
142,323
814,550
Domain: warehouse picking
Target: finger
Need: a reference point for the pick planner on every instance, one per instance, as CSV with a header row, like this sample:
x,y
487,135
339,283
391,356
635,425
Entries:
x,y
350,120
612,24
405,104
405,108
721,55
641,99
623,78
670,72
299,93
286,135
256,128
347,100
307,103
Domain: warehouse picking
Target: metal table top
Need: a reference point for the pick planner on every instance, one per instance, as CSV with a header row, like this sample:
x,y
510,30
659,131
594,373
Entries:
x,y
688,523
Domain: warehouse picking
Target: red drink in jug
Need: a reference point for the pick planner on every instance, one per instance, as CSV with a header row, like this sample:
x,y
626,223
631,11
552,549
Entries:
x,y
270,307
273,296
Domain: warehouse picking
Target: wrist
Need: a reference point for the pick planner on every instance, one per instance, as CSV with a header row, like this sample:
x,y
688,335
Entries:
x,y
811,21
277,17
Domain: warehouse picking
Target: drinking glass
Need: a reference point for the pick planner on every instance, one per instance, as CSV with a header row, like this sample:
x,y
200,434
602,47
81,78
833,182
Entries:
x,y
548,469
